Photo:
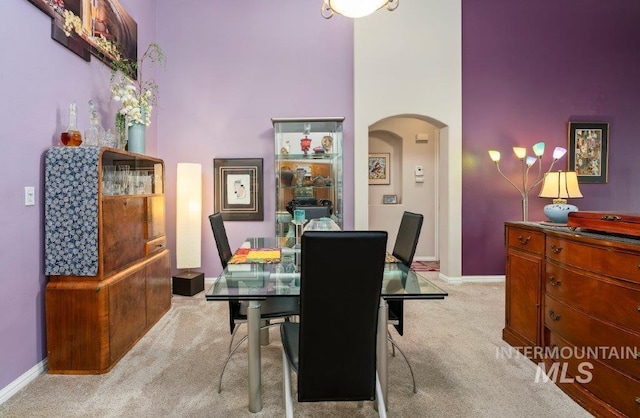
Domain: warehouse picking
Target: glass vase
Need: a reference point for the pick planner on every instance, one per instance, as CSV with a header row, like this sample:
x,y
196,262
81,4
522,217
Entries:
x,y
136,136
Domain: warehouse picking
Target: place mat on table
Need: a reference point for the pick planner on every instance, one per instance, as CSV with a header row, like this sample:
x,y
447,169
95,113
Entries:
x,y
256,256
390,258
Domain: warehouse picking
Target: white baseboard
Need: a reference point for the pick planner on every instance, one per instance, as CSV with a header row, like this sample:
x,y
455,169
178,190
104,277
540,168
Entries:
x,y
22,381
471,279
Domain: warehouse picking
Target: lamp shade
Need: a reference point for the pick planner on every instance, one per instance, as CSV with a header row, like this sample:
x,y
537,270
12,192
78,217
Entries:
x,y
560,186
188,215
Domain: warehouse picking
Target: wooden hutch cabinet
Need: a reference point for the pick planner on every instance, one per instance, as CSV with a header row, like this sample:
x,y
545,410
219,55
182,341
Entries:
x,y
105,255
575,295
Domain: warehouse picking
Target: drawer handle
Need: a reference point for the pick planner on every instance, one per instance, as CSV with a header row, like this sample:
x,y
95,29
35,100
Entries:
x,y
554,316
524,240
556,282
555,249
638,400
611,218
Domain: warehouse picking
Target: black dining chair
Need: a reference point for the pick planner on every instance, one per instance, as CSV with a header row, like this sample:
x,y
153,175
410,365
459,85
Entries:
x,y
275,308
404,249
333,346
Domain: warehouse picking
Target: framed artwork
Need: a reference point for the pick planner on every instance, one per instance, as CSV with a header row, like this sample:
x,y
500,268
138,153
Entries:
x,y
588,151
379,168
238,188
390,199
99,19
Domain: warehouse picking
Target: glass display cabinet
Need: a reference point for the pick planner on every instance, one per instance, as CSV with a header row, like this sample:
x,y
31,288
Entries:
x,y
308,171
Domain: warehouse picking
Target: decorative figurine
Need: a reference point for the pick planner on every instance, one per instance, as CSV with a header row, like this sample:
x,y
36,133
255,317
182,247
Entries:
x,y
305,144
327,143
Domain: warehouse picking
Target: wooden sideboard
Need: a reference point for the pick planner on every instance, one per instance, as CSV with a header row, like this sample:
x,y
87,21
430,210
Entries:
x,y
576,297
105,255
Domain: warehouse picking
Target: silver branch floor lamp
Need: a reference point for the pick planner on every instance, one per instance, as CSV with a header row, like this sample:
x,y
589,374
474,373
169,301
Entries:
x,y
527,162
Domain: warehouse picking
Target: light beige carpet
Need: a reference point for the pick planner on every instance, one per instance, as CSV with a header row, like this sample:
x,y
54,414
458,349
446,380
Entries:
x,y
173,370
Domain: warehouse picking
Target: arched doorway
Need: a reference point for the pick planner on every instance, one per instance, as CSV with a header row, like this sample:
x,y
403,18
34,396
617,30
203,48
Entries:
x,y
411,143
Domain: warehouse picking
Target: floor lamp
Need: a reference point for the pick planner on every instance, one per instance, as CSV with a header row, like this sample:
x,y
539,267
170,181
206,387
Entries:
x,y
188,229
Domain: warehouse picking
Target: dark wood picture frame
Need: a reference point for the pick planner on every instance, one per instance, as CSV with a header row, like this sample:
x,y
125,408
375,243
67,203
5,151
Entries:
x,y
108,18
238,188
588,151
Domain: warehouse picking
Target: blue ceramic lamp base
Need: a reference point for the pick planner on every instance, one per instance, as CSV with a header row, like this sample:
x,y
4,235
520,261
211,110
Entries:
x,y
558,213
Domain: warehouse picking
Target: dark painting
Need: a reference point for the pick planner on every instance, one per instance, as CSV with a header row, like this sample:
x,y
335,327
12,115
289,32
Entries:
x,y
100,18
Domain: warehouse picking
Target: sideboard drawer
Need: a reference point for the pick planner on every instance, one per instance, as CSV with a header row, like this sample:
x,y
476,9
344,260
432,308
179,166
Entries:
x,y
594,295
609,261
608,384
526,240
610,344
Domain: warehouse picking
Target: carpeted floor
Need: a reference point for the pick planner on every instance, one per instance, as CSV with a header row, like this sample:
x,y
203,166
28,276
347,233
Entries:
x,y
453,346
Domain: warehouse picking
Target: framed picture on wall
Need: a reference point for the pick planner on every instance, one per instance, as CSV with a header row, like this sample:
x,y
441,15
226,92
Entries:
x,y
380,168
238,188
96,21
390,199
588,151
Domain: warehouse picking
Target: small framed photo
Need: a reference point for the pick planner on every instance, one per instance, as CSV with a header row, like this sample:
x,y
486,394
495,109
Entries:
x,y
588,151
390,199
380,168
238,188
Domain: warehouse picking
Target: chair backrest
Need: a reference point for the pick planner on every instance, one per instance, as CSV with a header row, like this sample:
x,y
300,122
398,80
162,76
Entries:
x,y
220,235
407,239
314,212
340,283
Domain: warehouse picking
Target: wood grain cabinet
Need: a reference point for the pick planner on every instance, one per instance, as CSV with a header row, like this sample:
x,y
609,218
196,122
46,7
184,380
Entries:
x,y
524,272
105,255
590,316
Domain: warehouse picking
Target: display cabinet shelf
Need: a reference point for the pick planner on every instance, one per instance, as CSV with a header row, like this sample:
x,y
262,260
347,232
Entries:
x,y
312,178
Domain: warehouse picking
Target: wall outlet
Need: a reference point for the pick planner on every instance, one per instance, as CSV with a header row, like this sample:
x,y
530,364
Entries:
x,y
29,196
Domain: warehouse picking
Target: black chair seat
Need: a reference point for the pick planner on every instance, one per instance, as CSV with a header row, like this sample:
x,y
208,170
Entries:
x,y
290,337
271,308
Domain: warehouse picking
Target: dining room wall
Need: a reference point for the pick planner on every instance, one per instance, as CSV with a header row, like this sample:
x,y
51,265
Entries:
x,y
38,79
529,68
246,62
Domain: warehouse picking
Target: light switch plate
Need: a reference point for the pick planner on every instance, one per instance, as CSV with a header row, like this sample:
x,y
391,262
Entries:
x,y
29,196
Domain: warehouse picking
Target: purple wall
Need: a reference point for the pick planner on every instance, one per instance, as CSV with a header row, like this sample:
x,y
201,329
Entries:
x,y
231,68
38,80
530,67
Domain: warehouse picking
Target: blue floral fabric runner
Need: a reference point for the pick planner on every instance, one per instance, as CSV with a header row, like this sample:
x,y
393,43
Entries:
x,y
71,211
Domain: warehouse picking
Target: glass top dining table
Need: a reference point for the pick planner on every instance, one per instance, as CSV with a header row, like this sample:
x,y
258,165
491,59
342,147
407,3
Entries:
x,y
256,282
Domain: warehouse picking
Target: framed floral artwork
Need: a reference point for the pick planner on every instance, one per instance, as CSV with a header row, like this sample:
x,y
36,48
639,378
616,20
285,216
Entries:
x,y
238,188
588,151
379,168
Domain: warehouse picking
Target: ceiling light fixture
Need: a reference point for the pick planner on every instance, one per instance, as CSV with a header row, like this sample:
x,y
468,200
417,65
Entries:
x,y
355,8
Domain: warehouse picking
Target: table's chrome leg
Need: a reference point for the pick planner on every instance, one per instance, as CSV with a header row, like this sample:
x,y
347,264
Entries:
x,y
381,349
255,377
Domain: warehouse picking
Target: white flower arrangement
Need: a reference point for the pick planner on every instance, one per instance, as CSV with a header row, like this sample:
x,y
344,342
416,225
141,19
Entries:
x,y
137,96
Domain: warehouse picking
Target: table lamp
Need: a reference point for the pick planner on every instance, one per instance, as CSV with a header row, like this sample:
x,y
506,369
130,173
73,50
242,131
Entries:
x,y
560,186
188,229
